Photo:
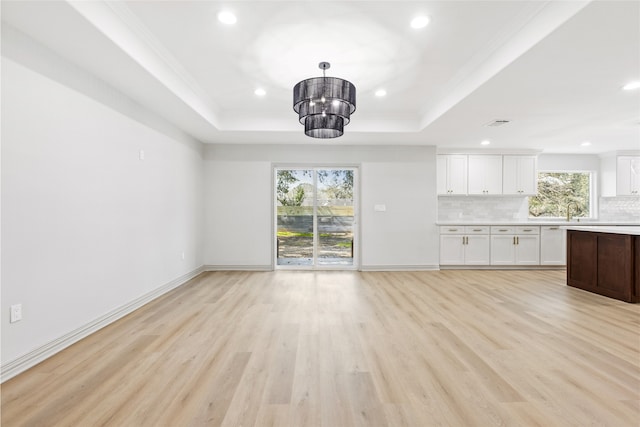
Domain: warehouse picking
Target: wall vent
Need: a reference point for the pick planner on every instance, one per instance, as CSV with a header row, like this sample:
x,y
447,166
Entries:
x,y
497,122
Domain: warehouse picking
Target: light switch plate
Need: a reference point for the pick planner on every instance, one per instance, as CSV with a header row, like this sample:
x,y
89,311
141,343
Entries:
x,y
380,208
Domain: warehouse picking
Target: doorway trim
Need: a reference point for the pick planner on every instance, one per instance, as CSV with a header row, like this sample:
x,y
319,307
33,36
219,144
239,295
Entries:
x,y
356,215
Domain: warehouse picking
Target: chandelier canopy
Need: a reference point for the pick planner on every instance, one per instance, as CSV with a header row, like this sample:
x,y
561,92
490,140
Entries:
x,y
324,104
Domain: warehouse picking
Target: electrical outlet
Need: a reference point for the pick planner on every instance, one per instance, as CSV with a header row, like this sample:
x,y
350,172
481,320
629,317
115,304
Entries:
x,y
16,313
182,255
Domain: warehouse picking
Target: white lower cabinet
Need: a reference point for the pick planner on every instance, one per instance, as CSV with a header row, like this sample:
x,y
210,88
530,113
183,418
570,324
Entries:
x,y
503,249
506,245
515,245
451,249
553,245
527,250
464,245
477,250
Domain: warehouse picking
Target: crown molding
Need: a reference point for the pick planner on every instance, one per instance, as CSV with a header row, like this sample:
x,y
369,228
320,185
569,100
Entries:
x,y
120,25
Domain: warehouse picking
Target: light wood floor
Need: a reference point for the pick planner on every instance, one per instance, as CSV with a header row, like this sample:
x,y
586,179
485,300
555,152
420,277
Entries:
x,y
296,348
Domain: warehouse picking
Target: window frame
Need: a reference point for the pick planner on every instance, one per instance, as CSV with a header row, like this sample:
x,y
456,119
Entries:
x,y
593,195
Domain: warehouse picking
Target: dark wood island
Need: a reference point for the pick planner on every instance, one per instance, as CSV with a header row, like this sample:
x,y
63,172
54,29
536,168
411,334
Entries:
x,y
605,260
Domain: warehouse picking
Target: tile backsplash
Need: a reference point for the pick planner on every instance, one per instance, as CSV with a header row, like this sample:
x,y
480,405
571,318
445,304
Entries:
x,y
620,208
482,208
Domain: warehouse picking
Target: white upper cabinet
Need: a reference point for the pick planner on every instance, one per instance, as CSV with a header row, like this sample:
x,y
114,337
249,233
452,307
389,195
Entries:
x,y
519,175
485,174
452,174
628,176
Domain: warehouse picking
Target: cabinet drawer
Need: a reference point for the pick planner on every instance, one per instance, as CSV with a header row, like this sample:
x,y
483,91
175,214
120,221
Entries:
x,y
478,229
452,229
528,230
498,229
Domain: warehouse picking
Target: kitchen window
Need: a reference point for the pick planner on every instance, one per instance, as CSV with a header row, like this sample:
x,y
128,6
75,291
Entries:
x,y
563,194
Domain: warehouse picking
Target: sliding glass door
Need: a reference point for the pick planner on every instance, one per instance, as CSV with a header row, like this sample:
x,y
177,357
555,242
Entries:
x,y
315,217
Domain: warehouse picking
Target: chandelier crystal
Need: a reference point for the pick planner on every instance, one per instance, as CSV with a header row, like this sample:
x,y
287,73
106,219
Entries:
x,y
324,104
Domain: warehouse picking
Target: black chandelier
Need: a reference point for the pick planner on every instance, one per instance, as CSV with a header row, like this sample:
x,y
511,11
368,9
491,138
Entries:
x,y
324,104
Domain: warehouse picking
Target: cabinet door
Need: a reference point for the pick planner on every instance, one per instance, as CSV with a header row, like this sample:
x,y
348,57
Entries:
x,y
582,256
458,174
503,250
510,175
493,175
527,250
476,175
628,176
635,176
451,249
485,175
442,171
519,175
552,246
476,251
451,174
527,176
615,265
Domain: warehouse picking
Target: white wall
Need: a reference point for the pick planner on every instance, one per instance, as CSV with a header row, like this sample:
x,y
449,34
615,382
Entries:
x,y
569,162
239,202
87,226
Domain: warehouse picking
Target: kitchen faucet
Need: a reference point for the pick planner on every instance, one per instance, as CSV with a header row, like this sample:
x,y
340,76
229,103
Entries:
x,y
575,204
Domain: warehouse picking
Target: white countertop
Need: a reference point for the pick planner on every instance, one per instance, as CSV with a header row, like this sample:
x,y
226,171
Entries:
x,y
530,223
629,230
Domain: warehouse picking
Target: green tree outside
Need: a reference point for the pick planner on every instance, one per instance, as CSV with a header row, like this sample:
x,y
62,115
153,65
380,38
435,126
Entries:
x,y
559,191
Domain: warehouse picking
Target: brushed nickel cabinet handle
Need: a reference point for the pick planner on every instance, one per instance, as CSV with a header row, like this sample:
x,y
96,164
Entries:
x,y
502,229
477,229
554,228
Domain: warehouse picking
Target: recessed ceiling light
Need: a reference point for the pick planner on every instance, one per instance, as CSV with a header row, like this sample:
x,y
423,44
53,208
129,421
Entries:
x,y
227,17
420,22
380,93
631,86
260,92
585,144
485,142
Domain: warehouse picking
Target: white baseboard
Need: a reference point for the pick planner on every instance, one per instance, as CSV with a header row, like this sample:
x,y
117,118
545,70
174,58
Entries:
x,y
306,268
503,267
22,363
399,267
267,267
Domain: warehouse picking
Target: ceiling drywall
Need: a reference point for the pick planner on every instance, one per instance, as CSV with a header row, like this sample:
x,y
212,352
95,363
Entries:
x,y
553,69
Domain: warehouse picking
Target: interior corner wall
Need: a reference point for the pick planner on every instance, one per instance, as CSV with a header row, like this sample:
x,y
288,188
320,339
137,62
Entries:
x,y
239,202
87,225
